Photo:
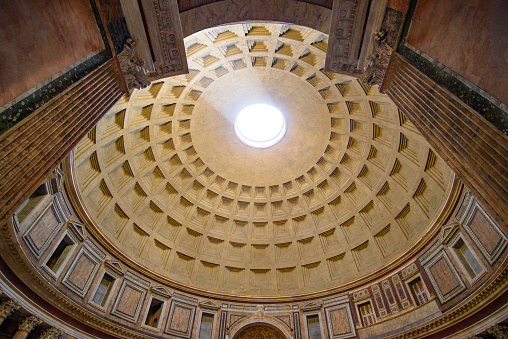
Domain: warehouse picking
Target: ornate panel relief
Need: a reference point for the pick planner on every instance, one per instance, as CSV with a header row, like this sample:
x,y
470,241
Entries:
x,y
180,319
339,319
376,292
130,297
484,231
401,293
443,276
82,272
390,296
44,228
343,51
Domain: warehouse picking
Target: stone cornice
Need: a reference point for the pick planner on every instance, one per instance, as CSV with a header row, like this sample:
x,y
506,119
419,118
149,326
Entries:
x,y
435,226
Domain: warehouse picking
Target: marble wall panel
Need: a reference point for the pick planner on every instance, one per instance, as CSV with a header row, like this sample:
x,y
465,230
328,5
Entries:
x,y
340,321
180,319
81,272
233,318
443,276
130,298
40,38
476,29
43,229
484,232
286,319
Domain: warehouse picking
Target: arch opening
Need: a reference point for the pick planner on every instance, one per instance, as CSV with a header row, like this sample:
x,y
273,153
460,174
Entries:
x,y
259,331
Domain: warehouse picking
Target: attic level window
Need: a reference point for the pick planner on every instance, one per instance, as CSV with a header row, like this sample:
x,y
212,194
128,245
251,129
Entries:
x,y
260,126
313,326
103,290
418,291
205,329
367,314
154,313
32,202
60,254
468,260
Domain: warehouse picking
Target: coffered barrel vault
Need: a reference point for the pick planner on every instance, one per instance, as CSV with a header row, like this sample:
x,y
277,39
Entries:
x,y
351,188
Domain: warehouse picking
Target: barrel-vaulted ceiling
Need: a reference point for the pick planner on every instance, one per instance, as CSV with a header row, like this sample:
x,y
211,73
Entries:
x,y
352,186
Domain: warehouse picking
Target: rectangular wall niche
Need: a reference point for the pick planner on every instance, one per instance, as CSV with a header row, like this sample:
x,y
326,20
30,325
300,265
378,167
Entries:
x,y
32,202
468,260
60,255
154,313
205,329
313,326
103,291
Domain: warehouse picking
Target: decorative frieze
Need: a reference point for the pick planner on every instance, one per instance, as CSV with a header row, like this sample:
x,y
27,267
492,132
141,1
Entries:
x,y
160,52
498,331
357,46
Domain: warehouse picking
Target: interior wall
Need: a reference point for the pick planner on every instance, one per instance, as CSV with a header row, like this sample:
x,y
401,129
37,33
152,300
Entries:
x,y
60,33
467,36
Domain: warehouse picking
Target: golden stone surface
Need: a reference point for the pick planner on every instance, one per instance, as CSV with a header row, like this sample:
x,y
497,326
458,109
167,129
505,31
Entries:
x,y
349,189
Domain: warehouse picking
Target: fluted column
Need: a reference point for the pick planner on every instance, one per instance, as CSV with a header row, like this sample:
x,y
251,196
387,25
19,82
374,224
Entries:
x,y
51,333
6,308
26,326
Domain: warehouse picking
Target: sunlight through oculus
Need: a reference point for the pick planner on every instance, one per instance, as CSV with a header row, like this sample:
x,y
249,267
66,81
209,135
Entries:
x,y
260,126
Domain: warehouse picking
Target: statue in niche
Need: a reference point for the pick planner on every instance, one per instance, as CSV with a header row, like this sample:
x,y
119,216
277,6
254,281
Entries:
x,y
133,67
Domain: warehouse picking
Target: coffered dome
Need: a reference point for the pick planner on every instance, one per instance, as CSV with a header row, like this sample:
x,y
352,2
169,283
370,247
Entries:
x,y
350,189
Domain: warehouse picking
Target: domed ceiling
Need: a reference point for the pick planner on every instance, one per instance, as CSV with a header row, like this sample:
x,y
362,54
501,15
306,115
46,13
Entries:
x,y
350,188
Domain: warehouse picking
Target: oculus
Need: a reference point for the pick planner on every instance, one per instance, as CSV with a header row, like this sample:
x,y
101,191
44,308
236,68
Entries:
x,y
260,126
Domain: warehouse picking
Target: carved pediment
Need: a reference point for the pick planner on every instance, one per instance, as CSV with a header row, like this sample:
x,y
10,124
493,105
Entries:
x,y
448,232
311,306
77,229
115,267
209,304
160,291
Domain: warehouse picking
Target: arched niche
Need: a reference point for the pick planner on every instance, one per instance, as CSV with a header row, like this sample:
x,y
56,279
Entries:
x,y
270,328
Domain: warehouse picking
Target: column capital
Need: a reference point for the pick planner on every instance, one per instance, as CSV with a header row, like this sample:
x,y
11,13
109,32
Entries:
x,y
498,331
7,307
28,323
51,333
